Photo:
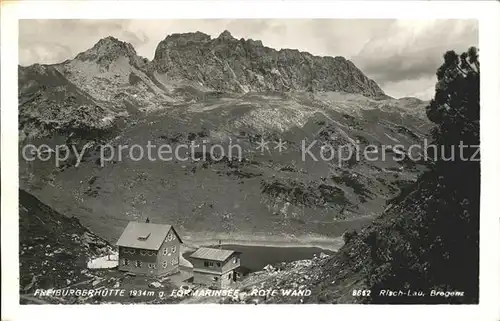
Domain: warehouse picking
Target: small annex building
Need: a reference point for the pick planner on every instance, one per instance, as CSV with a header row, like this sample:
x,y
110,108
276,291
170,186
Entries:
x,y
215,267
150,249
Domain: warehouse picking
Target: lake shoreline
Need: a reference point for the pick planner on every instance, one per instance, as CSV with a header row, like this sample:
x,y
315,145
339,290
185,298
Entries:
x,y
257,257
330,244
333,246
332,241
272,242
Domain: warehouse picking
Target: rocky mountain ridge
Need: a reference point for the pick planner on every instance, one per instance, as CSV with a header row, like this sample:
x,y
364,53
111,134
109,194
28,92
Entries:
x,y
228,64
110,81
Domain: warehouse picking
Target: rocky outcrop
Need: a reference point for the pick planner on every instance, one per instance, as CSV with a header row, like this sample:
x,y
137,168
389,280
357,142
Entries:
x,y
228,64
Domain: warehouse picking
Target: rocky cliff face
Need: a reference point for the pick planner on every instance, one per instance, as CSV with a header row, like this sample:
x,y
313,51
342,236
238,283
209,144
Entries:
x,y
229,64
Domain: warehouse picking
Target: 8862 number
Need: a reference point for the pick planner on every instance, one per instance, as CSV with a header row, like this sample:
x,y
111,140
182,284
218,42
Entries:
x,y
361,293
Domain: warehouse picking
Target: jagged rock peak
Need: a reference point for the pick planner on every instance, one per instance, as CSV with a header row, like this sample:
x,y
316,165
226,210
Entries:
x,y
227,64
188,36
252,42
226,35
108,48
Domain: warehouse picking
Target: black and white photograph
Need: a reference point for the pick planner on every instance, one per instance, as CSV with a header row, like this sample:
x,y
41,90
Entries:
x,y
251,161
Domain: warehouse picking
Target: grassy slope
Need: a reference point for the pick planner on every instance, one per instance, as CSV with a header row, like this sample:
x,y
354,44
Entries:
x,y
54,248
412,231
264,196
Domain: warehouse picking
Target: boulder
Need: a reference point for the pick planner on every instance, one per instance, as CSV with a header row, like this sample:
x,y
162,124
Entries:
x,y
269,268
323,255
155,285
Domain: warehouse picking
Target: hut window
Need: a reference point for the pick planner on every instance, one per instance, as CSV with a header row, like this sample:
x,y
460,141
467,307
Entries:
x,y
152,266
218,264
138,263
235,260
208,264
215,278
164,264
131,251
229,276
174,261
174,249
170,237
165,251
125,262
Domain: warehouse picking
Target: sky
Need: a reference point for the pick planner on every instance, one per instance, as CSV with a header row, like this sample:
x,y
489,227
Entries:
x,y
400,55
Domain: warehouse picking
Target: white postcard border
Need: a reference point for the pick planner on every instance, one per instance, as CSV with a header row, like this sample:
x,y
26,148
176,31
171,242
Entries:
x,y
486,11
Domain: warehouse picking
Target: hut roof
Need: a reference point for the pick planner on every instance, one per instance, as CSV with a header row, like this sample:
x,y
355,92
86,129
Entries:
x,y
147,236
208,253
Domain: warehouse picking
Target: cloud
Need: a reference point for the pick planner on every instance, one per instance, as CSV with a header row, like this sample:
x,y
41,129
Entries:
x,y
400,55
340,37
53,41
421,87
411,50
